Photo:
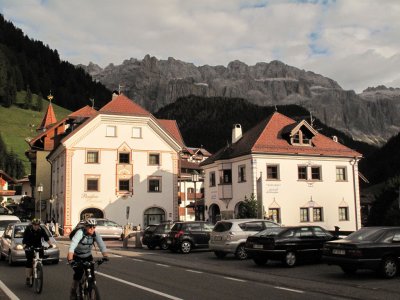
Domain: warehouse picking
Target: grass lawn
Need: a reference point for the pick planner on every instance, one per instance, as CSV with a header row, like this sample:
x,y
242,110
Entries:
x,y
17,124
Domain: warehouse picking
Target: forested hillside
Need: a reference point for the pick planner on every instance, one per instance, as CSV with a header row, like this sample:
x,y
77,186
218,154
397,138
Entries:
x,y
208,121
10,162
29,64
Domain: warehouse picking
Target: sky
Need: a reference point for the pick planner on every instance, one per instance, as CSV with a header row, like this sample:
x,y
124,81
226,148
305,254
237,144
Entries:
x,y
354,42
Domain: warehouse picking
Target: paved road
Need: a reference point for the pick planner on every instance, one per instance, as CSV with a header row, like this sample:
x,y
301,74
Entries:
x,y
144,274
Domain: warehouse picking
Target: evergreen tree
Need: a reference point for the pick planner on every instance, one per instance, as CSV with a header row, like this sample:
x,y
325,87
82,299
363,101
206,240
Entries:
x,y
28,98
39,102
248,208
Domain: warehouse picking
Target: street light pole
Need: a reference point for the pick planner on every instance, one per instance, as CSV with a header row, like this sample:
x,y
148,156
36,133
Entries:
x,y
40,190
195,178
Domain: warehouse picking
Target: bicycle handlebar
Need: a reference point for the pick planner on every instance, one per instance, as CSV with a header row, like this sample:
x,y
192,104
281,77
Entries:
x,y
74,263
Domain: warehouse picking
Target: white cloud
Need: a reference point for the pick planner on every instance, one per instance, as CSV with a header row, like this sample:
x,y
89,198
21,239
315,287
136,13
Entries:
x,y
356,43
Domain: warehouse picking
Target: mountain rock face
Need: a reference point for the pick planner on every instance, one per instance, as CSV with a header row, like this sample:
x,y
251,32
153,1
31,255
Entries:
x,y
372,116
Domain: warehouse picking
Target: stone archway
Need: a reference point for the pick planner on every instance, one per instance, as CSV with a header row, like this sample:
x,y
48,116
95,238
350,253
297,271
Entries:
x,y
91,213
214,213
153,215
238,208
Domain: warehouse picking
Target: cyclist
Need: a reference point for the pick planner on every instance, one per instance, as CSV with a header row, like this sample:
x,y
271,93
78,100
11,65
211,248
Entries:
x,y
81,250
33,235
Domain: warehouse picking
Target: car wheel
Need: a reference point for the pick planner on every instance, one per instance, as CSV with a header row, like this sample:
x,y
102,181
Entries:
x,y
349,270
10,259
151,247
260,261
186,246
241,252
388,268
219,254
55,262
290,259
2,257
164,245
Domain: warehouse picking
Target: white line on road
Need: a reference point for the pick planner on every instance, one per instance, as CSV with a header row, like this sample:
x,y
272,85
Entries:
x,y
136,259
140,287
290,290
235,279
162,265
194,271
8,292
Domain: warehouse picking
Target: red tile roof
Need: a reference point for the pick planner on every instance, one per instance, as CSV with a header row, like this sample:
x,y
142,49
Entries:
x,y
267,137
172,128
85,111
123,105
48,119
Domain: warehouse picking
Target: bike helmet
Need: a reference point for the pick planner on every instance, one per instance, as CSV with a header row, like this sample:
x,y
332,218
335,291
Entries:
x,y
36,221
90,222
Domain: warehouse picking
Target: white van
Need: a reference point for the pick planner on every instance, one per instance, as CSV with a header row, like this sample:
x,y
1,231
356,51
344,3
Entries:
x,y
5,220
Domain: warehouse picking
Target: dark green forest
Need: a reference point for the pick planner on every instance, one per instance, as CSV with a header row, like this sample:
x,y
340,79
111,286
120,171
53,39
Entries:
x,y
26,63
9,162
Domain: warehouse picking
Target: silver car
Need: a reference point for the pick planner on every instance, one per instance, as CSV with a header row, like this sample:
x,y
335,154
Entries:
x,y
11,245
229,236
108,229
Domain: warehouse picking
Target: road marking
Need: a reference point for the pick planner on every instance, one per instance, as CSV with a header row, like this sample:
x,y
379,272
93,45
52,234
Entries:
x,y
194,271
136,259
8,292
115,255
140,287
290,290
235,279
162,265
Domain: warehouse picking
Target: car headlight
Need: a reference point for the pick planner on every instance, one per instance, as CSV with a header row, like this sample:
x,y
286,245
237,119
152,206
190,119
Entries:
x,y
18,247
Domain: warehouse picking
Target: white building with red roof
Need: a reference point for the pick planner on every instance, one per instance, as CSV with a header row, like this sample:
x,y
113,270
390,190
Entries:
x,y
297,175
120,163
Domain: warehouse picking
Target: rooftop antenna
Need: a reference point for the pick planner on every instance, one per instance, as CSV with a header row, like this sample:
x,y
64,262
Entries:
x,y
92,100
276,108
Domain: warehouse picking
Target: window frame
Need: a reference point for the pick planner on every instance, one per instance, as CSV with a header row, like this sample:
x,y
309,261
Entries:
x,y
97,160
136,136
119,185
128,156
242,173
304,212
154,154
319,168
343,175
276,217
277,171
212,181
108,131
346,216
299,172
154,179
225,176
318,217
92,178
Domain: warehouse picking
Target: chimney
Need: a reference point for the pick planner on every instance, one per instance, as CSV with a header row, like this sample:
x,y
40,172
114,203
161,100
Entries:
x,y
236,133
334,138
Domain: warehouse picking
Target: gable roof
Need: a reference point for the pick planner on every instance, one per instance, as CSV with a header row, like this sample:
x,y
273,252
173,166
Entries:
x,y
172,128
267,137
86,111
48,119
123,105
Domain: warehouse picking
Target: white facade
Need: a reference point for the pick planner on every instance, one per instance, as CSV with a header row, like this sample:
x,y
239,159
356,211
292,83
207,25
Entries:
x,y
311,183
108,135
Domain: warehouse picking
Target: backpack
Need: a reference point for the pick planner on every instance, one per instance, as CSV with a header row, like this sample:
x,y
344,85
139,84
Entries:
x,y
80,227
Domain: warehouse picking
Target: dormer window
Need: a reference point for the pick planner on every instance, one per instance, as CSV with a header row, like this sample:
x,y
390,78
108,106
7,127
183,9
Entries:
x,y
301,138
299,134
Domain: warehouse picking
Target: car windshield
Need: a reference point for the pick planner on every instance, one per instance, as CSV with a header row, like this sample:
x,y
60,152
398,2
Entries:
x,y
4,223
271,231
222,226
365,234
20,229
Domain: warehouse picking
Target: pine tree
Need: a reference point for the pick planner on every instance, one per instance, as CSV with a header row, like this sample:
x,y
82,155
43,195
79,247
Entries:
x,y
39,102
248,208
28,98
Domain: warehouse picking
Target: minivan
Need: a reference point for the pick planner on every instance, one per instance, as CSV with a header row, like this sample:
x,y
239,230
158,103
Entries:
x,y
5,220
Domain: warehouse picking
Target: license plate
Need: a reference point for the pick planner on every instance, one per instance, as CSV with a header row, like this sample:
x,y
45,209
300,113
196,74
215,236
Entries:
x,y
256,246
168,241
217,238
338,251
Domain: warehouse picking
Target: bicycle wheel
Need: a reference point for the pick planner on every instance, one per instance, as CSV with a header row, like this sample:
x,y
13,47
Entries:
x,y
92,293
38,280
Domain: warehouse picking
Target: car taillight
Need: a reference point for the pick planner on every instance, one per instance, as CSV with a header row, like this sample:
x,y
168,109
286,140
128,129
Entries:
x,y
354,252
180,233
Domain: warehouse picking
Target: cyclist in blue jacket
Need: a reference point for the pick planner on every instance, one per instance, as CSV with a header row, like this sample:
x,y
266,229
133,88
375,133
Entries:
x,y
80,249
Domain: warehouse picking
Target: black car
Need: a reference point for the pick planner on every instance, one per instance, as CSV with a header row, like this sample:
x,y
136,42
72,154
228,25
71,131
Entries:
x,y
184,236
288,244
156,235
374,248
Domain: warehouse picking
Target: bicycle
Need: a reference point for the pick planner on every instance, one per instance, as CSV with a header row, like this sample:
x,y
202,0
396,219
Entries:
x,y
87,289
37,270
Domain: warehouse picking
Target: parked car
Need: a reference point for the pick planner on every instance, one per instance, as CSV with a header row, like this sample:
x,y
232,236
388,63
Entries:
x,y
374,248
5,220
288,244
11,245
229,236
109,229
185,236
156,235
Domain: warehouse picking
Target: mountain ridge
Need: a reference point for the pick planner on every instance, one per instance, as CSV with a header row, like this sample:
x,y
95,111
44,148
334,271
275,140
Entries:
x,y
372,116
